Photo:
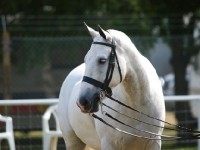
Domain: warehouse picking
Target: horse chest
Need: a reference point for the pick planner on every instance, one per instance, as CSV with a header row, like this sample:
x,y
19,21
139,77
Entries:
x,y
83,125
120,141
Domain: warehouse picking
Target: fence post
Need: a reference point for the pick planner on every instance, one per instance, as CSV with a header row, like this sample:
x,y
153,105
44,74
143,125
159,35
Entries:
x,y
198,100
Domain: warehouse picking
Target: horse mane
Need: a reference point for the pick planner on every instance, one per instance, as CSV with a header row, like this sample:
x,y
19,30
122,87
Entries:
x,y
140,64
123,40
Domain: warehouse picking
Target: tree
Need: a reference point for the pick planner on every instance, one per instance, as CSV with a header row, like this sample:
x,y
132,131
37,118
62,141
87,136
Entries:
x,y
181,42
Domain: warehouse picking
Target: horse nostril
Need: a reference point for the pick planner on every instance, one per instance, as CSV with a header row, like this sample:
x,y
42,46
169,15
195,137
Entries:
x,y
84,102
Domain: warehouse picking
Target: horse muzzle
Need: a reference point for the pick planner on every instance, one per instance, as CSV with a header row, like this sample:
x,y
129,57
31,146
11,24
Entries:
x,y
89,105
81,108
85,109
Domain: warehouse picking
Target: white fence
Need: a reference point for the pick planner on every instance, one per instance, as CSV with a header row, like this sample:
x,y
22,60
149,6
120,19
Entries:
x,y
187,98
54,101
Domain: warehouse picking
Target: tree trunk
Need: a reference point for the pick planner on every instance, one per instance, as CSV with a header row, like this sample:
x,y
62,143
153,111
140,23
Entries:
x,y
180,60
6,66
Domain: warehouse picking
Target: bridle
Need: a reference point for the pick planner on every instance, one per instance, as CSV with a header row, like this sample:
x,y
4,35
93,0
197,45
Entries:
x,y
108,93
111,65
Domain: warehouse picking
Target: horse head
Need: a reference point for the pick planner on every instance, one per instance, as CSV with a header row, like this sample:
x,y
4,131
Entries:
x,y
105,68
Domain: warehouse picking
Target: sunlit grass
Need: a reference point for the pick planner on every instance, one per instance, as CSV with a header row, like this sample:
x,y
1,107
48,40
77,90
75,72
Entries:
x,y
32,134
166,145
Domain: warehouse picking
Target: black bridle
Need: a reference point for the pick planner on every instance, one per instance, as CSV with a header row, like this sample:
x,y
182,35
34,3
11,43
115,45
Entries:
x,y
108,93
111,66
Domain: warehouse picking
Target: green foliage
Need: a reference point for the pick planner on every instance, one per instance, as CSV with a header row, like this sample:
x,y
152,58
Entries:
x,y
65,18
30,52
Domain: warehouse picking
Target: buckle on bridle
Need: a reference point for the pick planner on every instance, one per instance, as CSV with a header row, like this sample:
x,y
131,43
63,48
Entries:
x,y
102,95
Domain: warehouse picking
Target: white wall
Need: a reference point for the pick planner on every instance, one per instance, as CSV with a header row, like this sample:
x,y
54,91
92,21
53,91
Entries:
x,y
160,57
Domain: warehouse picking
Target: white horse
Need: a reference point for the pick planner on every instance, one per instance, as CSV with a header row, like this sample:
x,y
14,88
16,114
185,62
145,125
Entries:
x,y
140,88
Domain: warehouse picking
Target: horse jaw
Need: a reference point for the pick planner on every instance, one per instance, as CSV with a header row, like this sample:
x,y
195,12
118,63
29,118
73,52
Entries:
x,y
104,34
91,31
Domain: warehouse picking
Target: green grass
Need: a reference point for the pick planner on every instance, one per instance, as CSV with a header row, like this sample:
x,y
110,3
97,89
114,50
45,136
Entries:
x,y
166,145
180,148
172,146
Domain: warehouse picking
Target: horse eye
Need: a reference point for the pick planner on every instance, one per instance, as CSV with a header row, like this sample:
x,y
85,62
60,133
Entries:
x,y
102,60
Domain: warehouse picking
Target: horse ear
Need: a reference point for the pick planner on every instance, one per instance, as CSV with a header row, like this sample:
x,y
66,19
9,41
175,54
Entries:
x,y
104,34
91,31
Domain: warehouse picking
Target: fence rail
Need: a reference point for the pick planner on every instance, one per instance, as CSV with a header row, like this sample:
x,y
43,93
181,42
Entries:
x,y
27,102
55,100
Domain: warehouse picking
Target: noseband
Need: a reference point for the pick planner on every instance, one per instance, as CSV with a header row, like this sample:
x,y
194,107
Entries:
x,y
111,65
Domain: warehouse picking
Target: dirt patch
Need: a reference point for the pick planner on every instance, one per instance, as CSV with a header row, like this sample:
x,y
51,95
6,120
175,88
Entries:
x,y
170,117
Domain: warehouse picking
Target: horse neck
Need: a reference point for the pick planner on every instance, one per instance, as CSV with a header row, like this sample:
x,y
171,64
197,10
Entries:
x,y
136,82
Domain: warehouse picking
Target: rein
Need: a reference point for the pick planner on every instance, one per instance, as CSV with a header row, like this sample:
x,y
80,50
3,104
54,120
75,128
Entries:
x,y
106,91
163,137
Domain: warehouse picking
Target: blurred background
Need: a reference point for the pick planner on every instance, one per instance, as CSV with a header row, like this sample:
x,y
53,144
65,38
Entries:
x,y
42,41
